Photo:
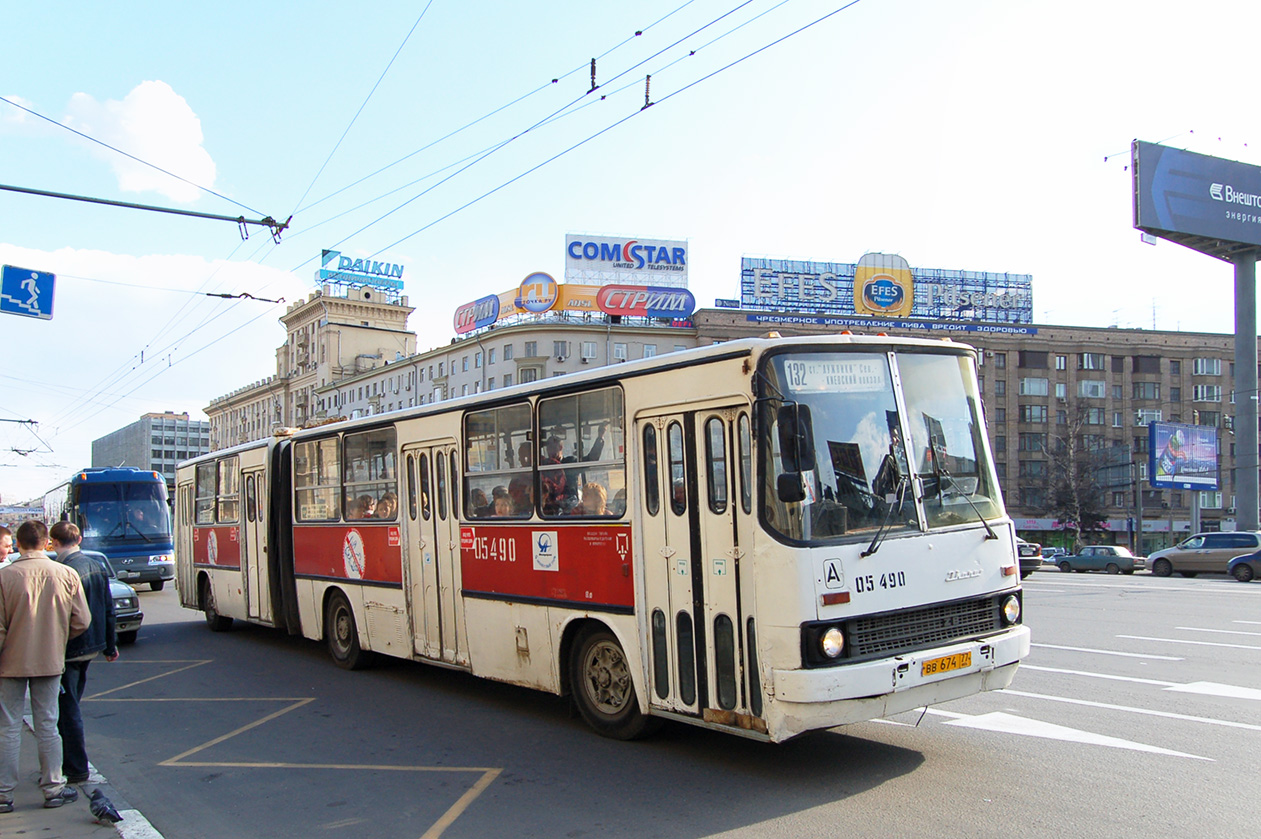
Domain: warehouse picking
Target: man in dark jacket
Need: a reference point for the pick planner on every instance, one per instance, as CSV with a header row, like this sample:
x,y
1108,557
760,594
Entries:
x,y
80,651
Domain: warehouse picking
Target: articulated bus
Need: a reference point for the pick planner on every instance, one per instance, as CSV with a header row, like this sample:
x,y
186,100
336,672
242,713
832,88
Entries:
x,y
764,537
123,513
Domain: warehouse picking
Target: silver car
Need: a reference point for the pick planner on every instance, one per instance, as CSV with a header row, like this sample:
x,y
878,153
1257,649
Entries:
x,y
1204,552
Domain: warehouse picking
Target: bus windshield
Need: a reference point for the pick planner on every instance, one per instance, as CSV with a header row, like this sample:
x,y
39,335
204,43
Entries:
x,y
117,513
835,458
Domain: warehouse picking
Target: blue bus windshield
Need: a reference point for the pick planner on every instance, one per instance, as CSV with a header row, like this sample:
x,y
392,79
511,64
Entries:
x,y
124,513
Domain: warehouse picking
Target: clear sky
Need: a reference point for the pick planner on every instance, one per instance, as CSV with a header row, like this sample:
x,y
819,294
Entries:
x,y
969,135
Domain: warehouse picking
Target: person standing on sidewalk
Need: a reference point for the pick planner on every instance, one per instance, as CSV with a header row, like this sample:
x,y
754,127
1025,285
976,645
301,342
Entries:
x,y
41,608
98,638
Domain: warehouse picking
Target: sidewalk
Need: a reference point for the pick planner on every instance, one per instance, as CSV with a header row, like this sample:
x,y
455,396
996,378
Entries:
x,y
70,821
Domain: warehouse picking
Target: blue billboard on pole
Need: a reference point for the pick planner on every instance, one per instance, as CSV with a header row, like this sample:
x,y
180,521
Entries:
x,y
1182,456
1179,193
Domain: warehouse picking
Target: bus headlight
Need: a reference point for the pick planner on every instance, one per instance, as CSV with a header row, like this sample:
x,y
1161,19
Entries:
x,y
1011,610
832,642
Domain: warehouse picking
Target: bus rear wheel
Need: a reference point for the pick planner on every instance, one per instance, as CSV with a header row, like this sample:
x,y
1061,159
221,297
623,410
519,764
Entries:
x,y
157,585
600,678
343,634
214,620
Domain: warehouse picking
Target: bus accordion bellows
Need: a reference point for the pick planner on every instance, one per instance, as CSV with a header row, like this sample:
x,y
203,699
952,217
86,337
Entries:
x,y
765,537
124,513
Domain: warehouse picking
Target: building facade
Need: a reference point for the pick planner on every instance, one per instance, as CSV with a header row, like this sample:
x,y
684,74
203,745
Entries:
x,y
155,442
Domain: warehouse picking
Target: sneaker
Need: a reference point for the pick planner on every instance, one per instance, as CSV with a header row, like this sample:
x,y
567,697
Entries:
x,y
6,806
66,796
78,779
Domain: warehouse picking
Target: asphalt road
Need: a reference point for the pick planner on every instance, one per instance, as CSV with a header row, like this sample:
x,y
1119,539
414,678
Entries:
x,y
1135,716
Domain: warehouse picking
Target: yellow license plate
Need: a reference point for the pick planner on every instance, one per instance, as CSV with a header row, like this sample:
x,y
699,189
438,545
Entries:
x,y
946,663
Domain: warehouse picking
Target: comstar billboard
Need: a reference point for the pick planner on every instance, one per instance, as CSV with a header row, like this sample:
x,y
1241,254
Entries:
x,y
1182,456
1183,193
598,260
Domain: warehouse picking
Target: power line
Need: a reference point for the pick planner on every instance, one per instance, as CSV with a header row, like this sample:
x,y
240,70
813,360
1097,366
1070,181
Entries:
x,y
127,155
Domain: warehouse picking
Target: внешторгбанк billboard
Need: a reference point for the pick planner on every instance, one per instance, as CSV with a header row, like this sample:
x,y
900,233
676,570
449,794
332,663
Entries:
x,y
1181,193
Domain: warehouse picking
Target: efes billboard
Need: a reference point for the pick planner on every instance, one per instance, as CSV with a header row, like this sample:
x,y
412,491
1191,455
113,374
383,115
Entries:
x,y
1180,193
1182,456
884,285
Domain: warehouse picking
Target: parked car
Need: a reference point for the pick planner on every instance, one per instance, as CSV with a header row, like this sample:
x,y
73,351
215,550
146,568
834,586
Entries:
x,y
1114,559
1030,556
1204,552
1049,554
1245,568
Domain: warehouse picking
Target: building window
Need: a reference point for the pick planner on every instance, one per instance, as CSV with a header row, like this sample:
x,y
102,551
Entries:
x,y
1033,413
650,350
490,356
588,350
1000,446
1146,390
1000,415
1206,367
1033,496
1210,500
1118,499
1206,393
1091,361
1175,368
1061,390
1061,417
1032,442
1032,360
464,364
1145,416
1033,469
507,380
507,352
1093,416
1000,388
477,360
1213,418
1117,420
1092,389
1117,392
464,390
529,374
1061,362
619,352
490,383
1001,470
1033,387
1000,361
1146,364
531,349
1140,445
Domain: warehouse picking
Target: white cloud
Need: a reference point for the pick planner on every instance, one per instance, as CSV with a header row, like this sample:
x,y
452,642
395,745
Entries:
x,y
155,124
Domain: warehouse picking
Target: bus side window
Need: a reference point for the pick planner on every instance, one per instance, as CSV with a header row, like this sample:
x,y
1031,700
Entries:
x,y
424,487
411,487
678,484
455,486
652,489
746,463
251,499
442,486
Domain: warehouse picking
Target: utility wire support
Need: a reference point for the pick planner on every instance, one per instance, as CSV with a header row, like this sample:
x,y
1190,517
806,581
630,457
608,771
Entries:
x,y
275,226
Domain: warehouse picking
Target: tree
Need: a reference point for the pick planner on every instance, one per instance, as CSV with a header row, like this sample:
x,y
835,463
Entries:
x,y
1078,459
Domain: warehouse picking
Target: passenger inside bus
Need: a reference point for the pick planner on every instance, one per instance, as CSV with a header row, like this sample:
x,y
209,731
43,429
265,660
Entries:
x,y
524,456
479,505
361,508
594,501
522,495
502,506
387,507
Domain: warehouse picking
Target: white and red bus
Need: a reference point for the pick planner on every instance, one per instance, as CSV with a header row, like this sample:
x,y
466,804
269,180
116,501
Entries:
x,y
766,536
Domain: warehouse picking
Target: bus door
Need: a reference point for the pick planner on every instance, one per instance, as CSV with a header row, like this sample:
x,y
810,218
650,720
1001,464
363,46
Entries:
x,y
258,604
185,575
694,527
433,550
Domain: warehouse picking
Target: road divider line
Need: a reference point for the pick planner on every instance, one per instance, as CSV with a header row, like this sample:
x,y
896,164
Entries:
x,y
1108,652
1193,643
1219,631
1012,724
1147,712
1156,682
1217,689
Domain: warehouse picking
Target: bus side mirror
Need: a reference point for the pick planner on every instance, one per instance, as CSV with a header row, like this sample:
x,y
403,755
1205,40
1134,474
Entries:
x,y
789,488
796,438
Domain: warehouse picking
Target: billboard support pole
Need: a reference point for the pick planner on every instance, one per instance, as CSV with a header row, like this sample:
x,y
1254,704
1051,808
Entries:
x,y
1246,486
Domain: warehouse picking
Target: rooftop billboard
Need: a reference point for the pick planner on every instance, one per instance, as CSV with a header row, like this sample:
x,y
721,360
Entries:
x,y
1182,456
599,260
1181,193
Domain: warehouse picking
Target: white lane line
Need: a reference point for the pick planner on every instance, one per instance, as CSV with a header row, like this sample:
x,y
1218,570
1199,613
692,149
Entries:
x,y
1156,682
1109,652
1195,643
1012,724
1216,689
1219,631
1128,709
1251,623
1141,587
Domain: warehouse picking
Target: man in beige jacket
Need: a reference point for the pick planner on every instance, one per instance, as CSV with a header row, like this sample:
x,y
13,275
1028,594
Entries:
x,y
41,608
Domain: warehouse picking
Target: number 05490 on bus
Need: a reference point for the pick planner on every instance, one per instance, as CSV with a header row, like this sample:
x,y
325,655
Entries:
x,y
765,537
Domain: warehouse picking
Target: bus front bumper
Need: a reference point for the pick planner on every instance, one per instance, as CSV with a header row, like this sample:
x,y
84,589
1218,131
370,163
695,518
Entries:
x,y
825,697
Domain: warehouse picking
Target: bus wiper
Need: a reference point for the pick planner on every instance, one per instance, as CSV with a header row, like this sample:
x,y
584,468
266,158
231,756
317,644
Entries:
x,y
902,482
139,532
946,483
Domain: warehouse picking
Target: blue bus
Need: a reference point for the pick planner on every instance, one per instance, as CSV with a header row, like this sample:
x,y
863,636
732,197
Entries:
x,y
123,513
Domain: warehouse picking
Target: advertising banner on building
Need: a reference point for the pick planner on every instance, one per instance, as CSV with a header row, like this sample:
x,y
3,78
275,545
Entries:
x,y
1182,456
600,260
884,286
1181,193
337,269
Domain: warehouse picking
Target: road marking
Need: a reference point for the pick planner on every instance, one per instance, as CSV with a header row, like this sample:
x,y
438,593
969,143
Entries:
x,y
1219,631
189,664
1012,724
1109,652
135,826
1194,643
1156,682
1216,689
1129,585
1143,711
1252,623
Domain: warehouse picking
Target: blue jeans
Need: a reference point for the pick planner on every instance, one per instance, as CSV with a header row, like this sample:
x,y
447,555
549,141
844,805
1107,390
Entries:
x,y
74,760
44,690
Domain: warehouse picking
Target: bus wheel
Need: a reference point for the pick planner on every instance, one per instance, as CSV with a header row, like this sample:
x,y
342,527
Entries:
x,y
603,690
214,620
343,635
157,585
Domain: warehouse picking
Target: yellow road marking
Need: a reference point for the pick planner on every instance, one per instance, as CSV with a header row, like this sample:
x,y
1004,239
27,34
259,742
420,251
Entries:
x,y
197,663
298,704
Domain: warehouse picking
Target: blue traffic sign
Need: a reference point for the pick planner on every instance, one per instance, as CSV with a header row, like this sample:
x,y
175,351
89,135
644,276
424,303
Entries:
x,y
26,292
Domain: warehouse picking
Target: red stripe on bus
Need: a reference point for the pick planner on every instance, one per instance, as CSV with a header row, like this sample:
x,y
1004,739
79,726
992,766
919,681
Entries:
x,y
369,552
217,547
